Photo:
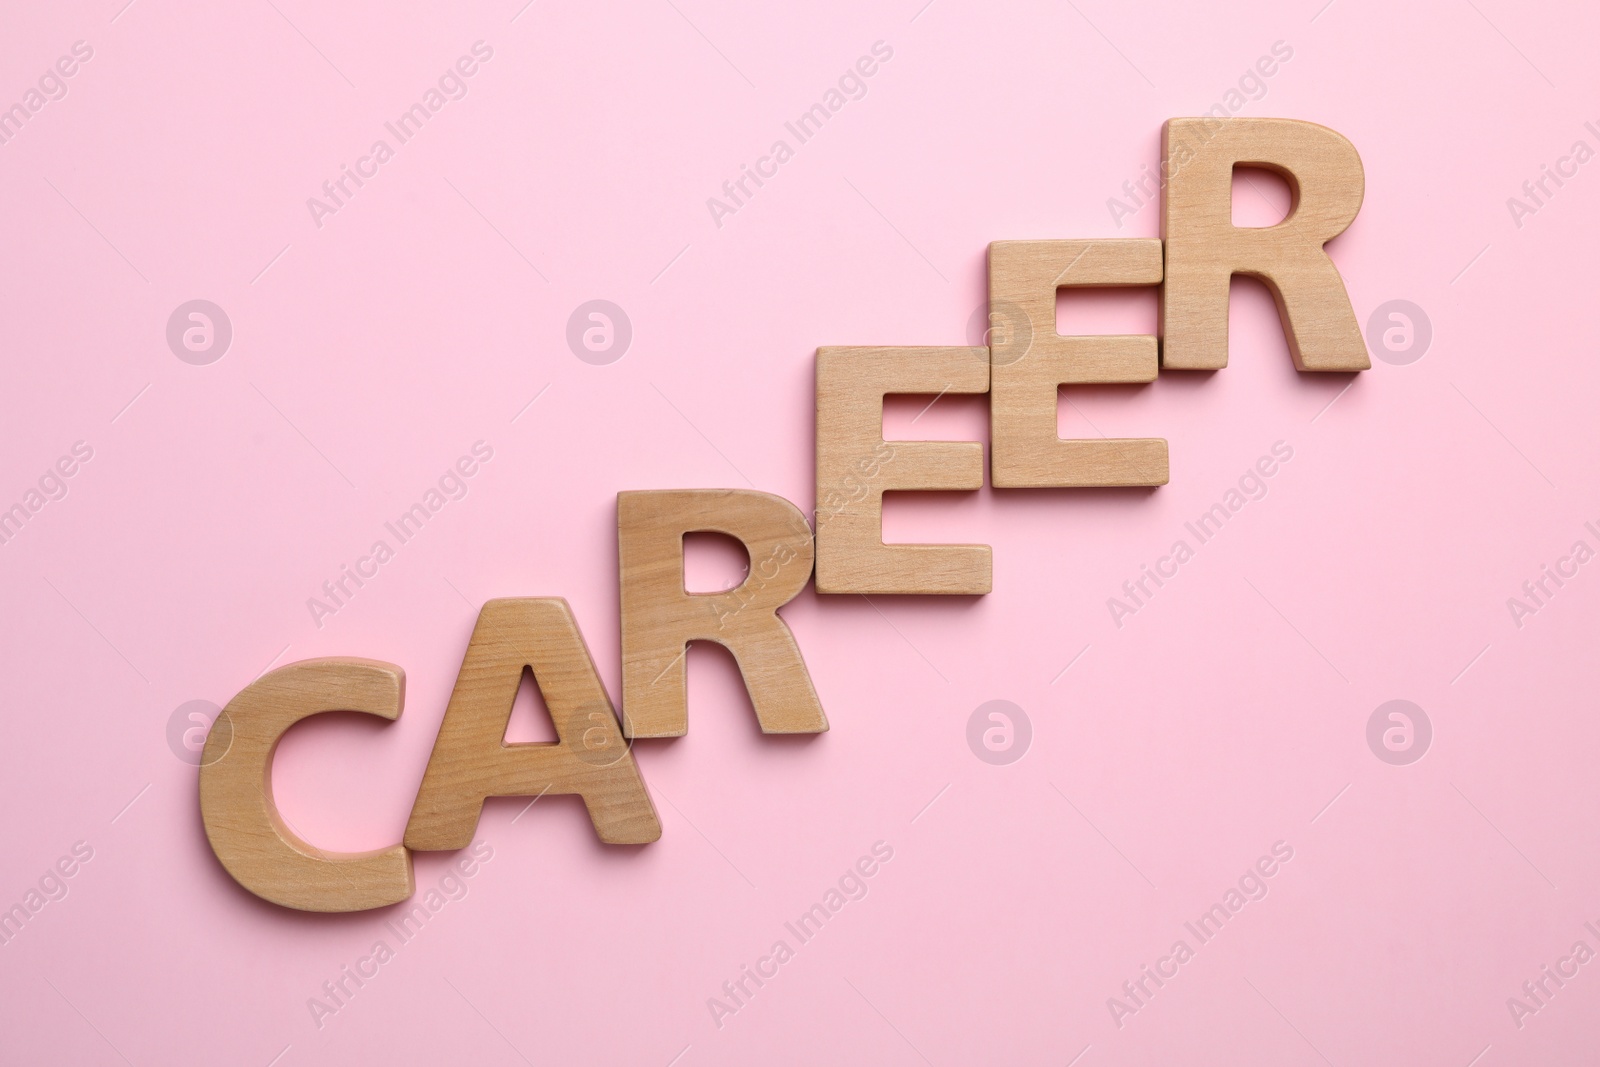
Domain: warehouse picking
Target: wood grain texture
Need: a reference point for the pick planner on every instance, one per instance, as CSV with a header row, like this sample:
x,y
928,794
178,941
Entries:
x,y
1029,360
856,466
660,618
246,832
471,759
1205,249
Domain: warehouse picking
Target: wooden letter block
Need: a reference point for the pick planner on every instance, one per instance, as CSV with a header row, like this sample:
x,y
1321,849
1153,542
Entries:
x,y
660,618
1205,249
1029,361
856,466
471,759
246,832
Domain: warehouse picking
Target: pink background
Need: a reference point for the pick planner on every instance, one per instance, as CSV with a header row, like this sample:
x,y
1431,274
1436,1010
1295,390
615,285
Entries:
x,y
369,353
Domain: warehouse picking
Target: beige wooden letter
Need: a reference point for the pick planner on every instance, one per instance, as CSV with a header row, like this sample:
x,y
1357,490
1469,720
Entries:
x,y
242,823
1205,249
471,759
660,618
856,466
1029,361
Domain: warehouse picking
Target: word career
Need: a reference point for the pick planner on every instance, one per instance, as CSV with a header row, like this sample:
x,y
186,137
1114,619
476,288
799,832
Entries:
x,y
1020,370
